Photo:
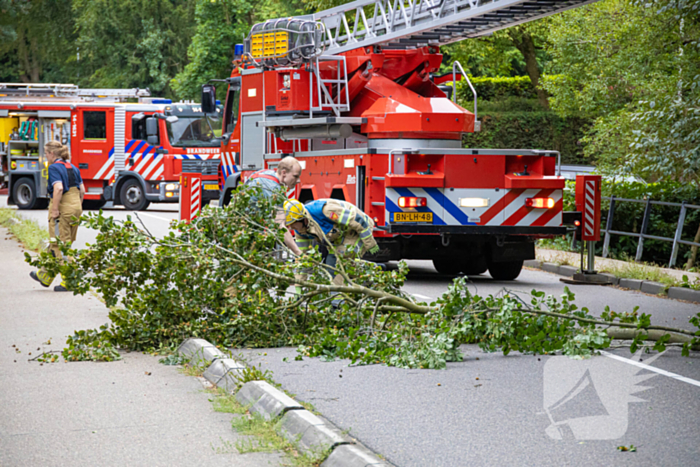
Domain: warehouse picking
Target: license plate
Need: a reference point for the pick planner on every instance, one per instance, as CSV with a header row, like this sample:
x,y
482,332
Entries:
x,y
211,187
413,217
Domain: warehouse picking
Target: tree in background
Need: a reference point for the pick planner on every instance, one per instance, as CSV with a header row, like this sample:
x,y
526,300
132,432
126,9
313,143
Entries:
x,y
636,66
133,43
220,24
36,41
518,50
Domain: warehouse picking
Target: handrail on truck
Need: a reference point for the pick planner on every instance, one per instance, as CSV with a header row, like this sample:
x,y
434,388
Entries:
x,y
454,85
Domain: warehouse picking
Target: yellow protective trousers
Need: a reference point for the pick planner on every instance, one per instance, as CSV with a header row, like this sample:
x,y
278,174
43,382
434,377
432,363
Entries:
x,y
65,228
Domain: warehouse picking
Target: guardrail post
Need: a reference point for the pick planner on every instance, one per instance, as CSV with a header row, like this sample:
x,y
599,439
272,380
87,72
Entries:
x,y
645,223
608,226
677,236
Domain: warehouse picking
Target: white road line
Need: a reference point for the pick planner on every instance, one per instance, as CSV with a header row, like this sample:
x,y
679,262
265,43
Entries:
x,y
155,217
651,368
417,295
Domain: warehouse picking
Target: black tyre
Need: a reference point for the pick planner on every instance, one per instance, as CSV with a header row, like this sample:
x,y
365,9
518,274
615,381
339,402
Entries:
x,y
132,196
506,271
474,266
24,194
93,204
447,266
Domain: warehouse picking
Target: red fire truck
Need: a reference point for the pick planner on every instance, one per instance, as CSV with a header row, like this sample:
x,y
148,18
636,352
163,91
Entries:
x,y
129,153
352,92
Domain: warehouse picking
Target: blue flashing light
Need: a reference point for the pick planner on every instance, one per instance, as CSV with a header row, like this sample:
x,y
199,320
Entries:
x,y
162,101
238,50
218,102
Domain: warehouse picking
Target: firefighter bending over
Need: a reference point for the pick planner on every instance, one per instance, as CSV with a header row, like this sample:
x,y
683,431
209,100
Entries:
x,y
274,183
345,226
66,189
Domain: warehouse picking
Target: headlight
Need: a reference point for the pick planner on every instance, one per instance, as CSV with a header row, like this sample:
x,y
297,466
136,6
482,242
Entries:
x,y
172,187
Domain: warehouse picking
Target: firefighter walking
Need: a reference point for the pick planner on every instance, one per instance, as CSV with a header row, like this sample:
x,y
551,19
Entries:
x,y
66,190
324,221
274,183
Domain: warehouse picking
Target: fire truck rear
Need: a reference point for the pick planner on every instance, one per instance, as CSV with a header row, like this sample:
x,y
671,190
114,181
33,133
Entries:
x,y
130,153
355,97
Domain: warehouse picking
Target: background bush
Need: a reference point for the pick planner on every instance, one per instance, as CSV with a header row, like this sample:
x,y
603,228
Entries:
x,y
628,218
511,117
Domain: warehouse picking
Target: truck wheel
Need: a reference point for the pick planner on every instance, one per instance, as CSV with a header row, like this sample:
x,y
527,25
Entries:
x,y
474,266
24,193
506,271
132,196
447,266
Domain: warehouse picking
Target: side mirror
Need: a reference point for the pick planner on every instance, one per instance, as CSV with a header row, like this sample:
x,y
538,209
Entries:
x,y
208,99
151,127
153,140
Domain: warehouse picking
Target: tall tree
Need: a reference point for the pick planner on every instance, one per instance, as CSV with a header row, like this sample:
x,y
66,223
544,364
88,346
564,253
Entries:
x,y
635,65
220,24
133,43
36,40
518,50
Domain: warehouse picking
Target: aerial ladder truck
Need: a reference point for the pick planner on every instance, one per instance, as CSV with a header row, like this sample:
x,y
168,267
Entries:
x,y
352,92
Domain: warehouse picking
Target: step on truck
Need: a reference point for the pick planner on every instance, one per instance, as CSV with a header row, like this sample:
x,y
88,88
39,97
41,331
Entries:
x,y
130,148
353,93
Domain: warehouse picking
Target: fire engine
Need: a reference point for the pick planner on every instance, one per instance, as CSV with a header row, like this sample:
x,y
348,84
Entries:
x,y
353,93
129,153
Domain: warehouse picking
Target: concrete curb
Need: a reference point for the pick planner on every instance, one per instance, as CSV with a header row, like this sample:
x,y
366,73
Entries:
x,y
199,351
266,400
223,373
650,287
310,433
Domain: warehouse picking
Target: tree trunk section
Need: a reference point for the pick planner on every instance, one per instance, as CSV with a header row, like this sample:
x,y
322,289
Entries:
x,y
526,46
694,251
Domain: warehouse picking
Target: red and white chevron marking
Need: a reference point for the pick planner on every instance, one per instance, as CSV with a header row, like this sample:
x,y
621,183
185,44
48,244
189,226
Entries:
x,y
196,197
512,208
589,206
106,172
149,167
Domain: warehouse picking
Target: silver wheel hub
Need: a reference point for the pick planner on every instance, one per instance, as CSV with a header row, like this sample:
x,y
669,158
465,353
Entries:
x,y
24,194
133,194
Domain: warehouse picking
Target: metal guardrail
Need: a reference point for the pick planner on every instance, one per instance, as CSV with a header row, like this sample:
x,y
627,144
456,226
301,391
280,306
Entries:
x,y
643,235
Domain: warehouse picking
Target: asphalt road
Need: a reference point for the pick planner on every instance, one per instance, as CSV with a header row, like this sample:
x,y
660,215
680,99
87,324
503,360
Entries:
x,y
522,410
500,410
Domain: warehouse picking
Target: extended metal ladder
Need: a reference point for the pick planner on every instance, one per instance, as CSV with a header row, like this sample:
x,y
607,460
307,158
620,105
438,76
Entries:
x,y
417,23
44,91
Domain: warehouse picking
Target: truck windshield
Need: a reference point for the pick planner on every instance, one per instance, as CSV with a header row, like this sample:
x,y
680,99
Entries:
x,y
195,131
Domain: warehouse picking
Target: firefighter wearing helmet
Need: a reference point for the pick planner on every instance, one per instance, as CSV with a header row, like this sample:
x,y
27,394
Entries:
x,y
344,226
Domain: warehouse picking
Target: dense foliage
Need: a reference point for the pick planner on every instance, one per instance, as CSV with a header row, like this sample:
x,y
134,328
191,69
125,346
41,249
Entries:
x,y
636,66
224,278
628,216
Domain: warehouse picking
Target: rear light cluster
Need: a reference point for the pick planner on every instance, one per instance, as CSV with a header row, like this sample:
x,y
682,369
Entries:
x,y
412,202
539,203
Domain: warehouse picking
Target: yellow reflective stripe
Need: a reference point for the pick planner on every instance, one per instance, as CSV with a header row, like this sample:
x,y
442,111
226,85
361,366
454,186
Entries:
x,y
366,233
345,217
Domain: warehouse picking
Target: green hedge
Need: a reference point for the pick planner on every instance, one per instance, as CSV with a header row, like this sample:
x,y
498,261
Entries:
x,y
488,88
531,130
662,221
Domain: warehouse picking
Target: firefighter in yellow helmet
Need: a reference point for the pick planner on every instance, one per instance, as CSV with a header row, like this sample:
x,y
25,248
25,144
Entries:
x,y
342,224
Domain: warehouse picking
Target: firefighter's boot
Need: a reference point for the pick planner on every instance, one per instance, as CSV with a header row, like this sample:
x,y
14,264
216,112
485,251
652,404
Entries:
x,y
44,278
61,287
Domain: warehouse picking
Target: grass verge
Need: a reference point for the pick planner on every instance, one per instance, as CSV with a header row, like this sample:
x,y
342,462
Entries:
x,y
28,232
262,434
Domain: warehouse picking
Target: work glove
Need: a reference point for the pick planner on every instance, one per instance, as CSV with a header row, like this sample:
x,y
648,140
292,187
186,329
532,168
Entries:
x,y
374,250
297,290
